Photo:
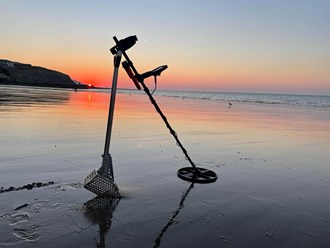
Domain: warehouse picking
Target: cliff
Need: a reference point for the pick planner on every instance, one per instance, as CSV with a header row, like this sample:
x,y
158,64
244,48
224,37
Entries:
x,y
14,73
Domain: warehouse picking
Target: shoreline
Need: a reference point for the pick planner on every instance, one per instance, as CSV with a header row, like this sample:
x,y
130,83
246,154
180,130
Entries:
x,y
50,86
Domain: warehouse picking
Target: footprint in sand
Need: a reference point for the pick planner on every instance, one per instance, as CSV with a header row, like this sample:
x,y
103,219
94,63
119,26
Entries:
x,y
21,231
19,218
15,218
27,233
22,234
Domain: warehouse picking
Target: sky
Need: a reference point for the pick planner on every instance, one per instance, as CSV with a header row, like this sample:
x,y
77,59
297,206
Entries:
x,y
270,46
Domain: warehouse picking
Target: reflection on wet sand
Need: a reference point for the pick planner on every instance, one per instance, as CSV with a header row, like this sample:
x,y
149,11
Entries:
x,y
26,96
274,191
99,211
172,220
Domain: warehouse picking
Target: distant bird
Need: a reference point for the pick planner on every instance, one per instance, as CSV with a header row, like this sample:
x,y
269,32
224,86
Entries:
x,y
230,104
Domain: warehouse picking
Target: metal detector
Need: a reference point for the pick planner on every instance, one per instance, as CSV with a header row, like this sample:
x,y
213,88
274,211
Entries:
x,y
192,174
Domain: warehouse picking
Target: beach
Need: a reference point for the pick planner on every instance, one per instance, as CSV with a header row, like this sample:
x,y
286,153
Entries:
x,y
271,158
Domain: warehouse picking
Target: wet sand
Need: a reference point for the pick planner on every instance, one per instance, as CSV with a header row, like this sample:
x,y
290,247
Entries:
x,y
272,162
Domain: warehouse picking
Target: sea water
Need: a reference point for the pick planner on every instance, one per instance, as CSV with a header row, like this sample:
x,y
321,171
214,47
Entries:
x,y
258,98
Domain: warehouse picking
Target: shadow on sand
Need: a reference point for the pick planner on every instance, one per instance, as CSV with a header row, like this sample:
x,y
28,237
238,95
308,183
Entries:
x,y
99,211
172,220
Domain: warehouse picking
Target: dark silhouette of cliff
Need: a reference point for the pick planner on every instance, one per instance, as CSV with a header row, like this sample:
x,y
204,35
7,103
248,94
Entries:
x,y
15,73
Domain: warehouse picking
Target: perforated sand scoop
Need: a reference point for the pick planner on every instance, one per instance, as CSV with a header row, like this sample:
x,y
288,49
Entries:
x,y
101,181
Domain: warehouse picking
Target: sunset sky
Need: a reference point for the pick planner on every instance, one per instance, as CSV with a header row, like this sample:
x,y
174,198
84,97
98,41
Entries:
x,y
213,45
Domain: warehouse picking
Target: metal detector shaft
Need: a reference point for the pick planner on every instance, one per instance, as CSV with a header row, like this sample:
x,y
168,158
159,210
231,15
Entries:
x,y
174,134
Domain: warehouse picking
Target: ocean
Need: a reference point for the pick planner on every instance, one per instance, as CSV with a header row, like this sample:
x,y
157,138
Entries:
x,y
257,98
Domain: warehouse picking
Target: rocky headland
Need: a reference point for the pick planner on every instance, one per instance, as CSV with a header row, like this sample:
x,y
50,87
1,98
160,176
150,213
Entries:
x,y
15,73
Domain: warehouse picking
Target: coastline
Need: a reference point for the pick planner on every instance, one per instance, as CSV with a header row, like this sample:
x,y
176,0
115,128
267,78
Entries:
x,y
16,73
48,85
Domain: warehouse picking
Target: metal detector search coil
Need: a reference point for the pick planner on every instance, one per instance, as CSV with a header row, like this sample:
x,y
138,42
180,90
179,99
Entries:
x,y
197,175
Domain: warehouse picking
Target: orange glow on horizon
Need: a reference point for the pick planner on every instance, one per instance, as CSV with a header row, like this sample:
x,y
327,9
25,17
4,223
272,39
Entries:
x,y
218,77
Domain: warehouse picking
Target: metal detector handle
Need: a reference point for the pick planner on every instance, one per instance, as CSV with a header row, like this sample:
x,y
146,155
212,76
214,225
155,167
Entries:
x,y
132,67
130,73
123,44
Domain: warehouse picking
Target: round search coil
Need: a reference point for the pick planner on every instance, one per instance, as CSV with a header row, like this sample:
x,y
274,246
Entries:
x,y
197,175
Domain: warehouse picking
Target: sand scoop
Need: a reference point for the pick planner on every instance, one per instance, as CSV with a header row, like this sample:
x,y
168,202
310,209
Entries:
x,y
101,181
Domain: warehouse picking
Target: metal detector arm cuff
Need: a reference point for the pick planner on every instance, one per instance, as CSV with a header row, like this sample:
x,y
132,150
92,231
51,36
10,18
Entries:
x,y
123,44
154,72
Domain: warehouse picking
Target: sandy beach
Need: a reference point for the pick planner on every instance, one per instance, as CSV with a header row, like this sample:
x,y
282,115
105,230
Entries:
x,y
272,161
